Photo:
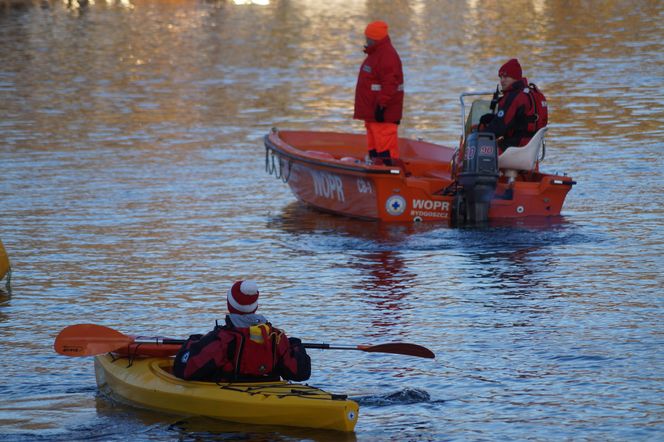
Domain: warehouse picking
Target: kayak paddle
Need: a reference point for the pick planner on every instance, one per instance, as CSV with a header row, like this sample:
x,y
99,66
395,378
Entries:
x,y
92,340
397,348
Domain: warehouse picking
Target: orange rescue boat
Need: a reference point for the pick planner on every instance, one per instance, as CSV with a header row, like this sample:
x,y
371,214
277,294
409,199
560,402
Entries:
x,y
471,184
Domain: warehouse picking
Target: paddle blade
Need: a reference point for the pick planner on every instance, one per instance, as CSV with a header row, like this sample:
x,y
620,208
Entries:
x,y
399,349
89,340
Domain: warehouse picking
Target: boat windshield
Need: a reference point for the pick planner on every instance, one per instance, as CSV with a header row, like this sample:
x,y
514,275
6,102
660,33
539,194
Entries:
x,y
478,108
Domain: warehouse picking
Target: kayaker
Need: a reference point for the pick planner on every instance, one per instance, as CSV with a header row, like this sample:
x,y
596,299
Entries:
x,y
379,95
246,347
521,112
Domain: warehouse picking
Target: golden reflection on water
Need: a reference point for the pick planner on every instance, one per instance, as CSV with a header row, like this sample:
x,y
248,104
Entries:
x,y
182,60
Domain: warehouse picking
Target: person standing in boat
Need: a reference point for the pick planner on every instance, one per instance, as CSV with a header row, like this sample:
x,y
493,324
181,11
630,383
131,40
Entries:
x,y
379,94
521,110
246,347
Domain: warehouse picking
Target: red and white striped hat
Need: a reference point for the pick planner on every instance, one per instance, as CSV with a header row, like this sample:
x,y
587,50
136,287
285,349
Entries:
x,y
242,297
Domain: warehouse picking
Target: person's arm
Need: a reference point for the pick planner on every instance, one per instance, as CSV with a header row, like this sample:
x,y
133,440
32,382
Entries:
x,y
294,363
389,85
506,119
205,358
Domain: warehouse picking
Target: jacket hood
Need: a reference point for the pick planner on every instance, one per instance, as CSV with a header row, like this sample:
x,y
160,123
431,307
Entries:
x,y
374,47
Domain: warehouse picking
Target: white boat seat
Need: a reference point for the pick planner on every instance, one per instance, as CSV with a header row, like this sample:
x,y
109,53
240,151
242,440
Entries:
x,y
516,159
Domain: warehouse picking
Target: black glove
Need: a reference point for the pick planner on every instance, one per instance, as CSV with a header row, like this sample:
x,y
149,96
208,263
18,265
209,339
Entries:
x,y
296,345
486,119
379,114
495,99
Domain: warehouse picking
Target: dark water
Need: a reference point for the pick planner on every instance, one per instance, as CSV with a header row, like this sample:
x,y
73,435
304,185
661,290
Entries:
x,y
133,192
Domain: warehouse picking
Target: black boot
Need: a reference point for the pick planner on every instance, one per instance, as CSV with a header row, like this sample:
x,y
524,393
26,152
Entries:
x,y
385,158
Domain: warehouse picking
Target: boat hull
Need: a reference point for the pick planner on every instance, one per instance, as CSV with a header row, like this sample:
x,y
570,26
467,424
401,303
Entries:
x,y
368,196
326,170
147,382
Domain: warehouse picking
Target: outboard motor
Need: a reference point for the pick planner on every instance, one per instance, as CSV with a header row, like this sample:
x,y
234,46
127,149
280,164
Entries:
x,y
478,178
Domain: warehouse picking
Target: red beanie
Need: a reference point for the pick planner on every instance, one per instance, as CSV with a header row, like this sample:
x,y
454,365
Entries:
x,y
511,69
242,297
376,30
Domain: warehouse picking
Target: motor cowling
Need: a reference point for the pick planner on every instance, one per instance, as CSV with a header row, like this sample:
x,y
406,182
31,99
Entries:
x,y
478,178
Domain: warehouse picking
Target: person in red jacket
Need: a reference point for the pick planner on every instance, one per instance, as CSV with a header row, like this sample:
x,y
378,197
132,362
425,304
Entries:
x,y
246,348
510,123
379,94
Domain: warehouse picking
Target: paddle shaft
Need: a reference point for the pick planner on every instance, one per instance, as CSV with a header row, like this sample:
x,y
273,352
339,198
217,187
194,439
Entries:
x,y
332,347
157,340
168,341
394,348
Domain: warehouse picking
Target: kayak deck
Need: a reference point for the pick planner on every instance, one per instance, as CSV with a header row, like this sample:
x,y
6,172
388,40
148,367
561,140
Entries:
x,y
148,382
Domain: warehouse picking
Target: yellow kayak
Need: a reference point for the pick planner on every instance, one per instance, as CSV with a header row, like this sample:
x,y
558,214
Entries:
x,y
4,261
148,382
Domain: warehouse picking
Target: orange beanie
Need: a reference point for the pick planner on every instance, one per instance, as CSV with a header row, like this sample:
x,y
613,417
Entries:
x,y
376,30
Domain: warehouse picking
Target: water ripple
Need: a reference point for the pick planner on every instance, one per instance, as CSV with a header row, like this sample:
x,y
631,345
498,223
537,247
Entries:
x,y
133,192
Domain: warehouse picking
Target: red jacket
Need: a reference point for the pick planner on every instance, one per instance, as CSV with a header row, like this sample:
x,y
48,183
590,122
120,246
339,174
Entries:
x,y
380,83
228,353
511,121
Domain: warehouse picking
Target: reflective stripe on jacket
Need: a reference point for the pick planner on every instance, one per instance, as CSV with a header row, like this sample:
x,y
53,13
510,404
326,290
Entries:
x,y
380,83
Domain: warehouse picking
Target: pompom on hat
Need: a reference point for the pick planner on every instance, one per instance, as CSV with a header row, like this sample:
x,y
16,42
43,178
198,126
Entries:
x,y
511,69
376,30
242,297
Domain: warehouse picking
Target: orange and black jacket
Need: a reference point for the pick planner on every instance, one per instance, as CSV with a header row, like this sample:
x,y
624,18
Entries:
x,y
256,353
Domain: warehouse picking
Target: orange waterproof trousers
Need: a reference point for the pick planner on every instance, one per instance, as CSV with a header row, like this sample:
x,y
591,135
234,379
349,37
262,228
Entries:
x,y
382,137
